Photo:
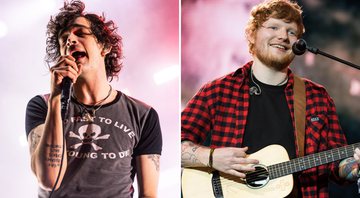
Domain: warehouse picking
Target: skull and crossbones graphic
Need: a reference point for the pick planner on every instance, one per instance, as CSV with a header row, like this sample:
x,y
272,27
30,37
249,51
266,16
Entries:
x,y
88,134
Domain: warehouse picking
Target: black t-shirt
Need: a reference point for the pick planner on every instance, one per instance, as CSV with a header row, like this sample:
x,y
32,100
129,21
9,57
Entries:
x,y
269,120
101,153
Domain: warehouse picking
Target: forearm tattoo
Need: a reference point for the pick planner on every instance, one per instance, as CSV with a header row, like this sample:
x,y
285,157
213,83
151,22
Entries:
x,y
188,150
54,157
349,169
156,160
35,139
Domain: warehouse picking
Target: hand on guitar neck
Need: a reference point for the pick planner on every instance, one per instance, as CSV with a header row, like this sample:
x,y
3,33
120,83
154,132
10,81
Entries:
x,y
230,160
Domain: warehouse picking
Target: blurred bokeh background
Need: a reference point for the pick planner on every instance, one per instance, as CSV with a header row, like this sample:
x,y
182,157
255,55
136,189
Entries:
x,y
151,73
213,44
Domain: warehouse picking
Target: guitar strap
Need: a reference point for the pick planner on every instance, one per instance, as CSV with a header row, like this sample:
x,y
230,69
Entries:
x,y
216,184
299,113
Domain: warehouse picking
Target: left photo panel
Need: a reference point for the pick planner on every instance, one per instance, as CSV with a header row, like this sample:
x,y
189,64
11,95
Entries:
x,y
91,91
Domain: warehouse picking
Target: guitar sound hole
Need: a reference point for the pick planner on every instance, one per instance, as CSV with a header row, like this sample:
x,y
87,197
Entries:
x,y
257,178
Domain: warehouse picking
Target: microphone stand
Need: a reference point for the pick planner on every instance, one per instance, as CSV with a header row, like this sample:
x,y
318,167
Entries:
x,y
317,51
300,47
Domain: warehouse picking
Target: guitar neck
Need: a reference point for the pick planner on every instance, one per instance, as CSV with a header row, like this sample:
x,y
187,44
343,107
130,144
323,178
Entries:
x,y
309,161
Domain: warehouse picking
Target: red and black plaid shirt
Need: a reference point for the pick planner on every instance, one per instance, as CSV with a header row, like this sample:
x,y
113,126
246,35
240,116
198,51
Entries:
x,y
220,109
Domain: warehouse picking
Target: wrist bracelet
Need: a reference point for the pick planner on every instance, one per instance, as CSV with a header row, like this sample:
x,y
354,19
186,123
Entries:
x,y
211,157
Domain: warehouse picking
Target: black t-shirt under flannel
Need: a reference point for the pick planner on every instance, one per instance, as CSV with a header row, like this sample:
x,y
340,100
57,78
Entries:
x,y
269,120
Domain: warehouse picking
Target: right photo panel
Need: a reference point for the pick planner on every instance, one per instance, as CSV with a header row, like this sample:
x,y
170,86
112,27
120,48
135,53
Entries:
x,y
269,98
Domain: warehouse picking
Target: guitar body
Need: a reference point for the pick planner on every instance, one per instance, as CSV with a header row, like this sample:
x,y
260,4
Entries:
x,y
196,182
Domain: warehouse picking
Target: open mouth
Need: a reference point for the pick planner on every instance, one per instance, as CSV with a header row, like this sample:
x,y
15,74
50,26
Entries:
x,y
78,55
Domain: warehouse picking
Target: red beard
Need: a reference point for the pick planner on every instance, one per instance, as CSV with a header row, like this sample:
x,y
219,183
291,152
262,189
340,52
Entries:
x,y
278,64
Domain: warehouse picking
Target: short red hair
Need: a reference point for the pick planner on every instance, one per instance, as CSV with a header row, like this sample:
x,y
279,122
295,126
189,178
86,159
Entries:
x,y
278,9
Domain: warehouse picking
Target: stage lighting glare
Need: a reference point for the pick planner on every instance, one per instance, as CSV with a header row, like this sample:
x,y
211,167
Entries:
x,y
354,87
166,74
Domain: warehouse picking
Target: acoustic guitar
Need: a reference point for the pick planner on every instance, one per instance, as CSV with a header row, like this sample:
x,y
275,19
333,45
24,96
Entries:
x,y
271,178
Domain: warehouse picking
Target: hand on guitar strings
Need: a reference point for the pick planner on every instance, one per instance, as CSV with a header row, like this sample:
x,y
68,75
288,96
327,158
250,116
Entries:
x,y
233,161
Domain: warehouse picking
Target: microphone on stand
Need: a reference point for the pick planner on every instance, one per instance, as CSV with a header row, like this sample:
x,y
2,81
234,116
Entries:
x,y
300,46
65,96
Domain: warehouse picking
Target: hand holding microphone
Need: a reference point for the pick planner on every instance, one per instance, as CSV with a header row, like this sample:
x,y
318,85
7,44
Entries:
x,y
64,73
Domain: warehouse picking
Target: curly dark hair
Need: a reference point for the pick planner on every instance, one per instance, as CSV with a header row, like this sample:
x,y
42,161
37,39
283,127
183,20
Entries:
x,y
104,31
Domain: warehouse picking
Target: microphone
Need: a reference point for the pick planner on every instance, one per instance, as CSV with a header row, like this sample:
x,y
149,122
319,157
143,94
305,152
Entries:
x,y
65,96
299,47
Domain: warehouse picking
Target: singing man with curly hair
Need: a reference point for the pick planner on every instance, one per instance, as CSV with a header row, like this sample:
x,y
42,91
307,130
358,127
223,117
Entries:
x,y
106,137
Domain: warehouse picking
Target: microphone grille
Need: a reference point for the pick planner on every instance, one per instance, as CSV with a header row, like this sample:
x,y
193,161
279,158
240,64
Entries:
x,y
299,47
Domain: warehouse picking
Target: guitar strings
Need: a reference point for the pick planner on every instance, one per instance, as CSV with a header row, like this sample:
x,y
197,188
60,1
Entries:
x,y
280,169
251,176
301,163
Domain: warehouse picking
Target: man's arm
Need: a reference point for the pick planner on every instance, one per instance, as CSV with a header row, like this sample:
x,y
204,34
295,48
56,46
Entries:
x,y
46,145
194,155
46,141
229,160
148,171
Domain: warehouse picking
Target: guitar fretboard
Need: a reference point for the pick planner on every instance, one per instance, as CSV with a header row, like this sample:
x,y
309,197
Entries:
x,y
309,161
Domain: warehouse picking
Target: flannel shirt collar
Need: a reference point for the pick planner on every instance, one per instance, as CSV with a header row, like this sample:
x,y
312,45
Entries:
x,y
244,72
